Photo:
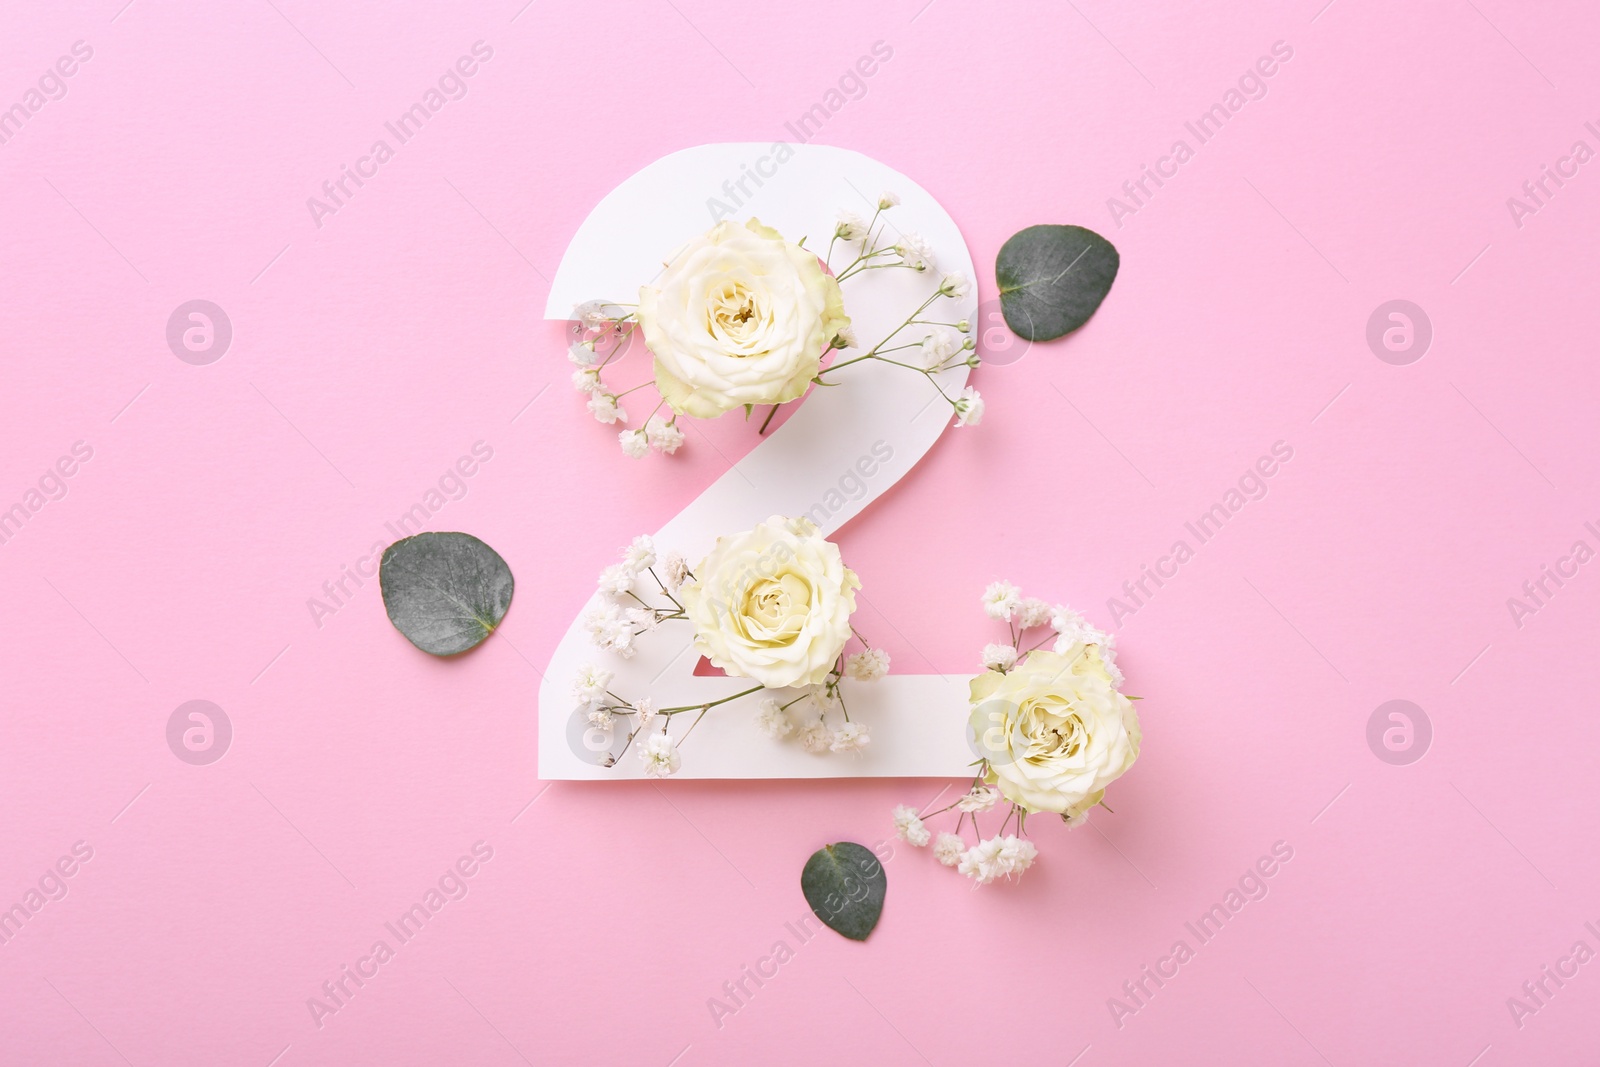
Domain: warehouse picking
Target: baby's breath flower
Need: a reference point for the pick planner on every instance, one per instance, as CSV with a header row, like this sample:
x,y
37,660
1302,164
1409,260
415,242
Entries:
x,y
948,848
610,628
969,407
1016,854
981,862
815,737
586,380
851,737
676,568
659,755
980,799
589,687
633,443
999,657
850,227
887,200
1001,600
582,353
645,709
772,720
914,252
938,347
908,827
639,556
1064,620
954,285
592,313
846,338
1034,612
867,665
604,407
617,580
663,434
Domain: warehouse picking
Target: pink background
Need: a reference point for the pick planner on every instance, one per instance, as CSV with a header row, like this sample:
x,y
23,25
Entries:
x,y
370,353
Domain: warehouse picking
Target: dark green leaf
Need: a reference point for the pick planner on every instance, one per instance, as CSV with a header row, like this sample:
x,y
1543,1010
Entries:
x,y
445,591
845,884
1052,278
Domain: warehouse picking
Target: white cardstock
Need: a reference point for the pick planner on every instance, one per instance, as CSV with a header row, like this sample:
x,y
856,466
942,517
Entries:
x,y
880,418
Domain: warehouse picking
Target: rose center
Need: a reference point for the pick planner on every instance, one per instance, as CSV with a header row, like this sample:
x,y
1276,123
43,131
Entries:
x,y
775,607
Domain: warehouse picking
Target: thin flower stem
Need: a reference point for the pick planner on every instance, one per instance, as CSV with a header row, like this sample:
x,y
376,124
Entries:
x,y
692,725
622,341
708,706
664,591
768,421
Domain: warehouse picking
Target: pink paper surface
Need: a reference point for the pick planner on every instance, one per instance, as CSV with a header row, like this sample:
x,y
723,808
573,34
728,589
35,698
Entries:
x,y
371,352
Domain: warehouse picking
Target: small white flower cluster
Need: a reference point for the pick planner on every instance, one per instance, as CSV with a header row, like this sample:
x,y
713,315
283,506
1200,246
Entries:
x,y
995,857
602,331
1004,601
814,734
988,859
614,625
948,344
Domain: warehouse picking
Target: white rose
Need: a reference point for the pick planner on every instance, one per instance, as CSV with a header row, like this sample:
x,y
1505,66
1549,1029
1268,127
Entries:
x,y
1055,730
741,316
772,604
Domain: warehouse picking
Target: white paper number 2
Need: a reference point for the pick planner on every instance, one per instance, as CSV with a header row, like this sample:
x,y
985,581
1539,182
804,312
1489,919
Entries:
x,y
870,431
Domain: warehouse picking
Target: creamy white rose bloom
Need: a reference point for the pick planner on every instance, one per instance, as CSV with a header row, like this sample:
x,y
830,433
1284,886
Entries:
x,y
772,604
1055,730
740,316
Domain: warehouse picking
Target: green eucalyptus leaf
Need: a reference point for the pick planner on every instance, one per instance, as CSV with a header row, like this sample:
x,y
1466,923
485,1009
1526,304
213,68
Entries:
x,y
1052,278
845,884
445,591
